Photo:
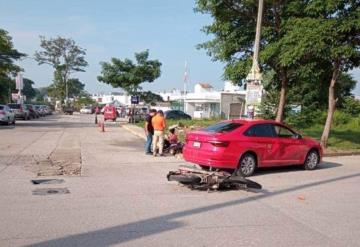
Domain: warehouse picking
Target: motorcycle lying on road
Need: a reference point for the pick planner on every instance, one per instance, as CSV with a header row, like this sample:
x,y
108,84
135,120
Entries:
x,y
197,178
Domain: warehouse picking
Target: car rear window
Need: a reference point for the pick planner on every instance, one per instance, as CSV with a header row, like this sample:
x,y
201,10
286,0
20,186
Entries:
x,y
14,106
1,107
222,127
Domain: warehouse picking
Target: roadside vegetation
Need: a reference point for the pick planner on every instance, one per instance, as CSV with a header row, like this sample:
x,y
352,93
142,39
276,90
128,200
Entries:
x,y
344,134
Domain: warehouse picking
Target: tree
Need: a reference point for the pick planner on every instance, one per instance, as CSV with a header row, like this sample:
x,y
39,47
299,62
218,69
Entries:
x,y
65,57
41,93
7,67
326,38
129,75
28,89
233,29
150,98
75,87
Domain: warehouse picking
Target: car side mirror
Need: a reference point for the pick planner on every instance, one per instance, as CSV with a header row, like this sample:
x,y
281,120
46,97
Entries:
x,y
298,136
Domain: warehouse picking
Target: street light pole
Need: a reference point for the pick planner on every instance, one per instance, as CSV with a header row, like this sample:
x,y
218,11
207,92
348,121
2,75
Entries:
x,y
253,80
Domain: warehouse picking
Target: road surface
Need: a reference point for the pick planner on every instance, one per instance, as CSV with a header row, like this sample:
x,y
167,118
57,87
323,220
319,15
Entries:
x,y
112,194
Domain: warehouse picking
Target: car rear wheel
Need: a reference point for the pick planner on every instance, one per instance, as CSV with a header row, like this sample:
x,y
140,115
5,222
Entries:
x,y
312,160
246,166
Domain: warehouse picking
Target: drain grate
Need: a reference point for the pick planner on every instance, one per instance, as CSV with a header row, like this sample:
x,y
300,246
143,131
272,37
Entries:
x,y
47,181
50,191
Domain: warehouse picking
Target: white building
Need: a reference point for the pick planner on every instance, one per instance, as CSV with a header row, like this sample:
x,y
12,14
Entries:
x,y
205,102
111,97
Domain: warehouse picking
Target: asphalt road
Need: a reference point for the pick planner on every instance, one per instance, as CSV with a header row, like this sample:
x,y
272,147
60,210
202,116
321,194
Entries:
x,y
118,196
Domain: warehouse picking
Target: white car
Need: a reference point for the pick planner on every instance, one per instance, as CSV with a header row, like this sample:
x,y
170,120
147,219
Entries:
x,y
86,110
7,115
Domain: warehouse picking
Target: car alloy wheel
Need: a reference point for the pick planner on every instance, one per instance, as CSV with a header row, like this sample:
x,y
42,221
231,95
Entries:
x,y
247,165
312,160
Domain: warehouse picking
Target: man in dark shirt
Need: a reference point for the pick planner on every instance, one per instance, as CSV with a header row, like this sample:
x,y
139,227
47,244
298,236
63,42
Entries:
x,y
149,131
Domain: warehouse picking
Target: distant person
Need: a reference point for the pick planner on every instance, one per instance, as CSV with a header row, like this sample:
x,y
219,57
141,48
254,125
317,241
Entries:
x,y
149,131
159,124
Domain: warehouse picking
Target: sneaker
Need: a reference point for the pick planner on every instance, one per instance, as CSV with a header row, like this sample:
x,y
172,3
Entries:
x,y
161,155
149,153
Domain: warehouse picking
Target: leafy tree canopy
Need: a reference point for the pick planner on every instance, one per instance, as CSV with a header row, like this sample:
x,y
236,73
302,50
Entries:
x,y
8,54
129,75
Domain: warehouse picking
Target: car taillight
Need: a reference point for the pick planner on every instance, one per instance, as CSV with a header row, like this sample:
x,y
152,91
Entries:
x,y
219,143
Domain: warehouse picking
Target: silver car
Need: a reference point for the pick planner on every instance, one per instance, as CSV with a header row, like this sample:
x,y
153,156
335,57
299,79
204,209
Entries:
x,y
7,116
20,111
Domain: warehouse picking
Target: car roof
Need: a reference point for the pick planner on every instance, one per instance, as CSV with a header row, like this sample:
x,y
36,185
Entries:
x,y
253,121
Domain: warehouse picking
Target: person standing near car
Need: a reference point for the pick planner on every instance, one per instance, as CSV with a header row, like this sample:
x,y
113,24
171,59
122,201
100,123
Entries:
x,y
149,131
159,124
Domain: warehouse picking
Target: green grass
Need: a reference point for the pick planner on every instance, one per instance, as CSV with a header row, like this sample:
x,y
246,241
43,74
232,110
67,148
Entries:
x,y
343,136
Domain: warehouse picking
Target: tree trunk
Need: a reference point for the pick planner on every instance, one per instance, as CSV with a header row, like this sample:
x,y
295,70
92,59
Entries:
x,y
331,107
282,100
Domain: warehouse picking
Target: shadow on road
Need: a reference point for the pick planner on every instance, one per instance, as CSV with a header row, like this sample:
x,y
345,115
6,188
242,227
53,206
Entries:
x,y
131,231
283,169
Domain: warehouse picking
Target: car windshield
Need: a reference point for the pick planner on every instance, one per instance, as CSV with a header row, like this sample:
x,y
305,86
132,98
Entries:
x,y
14,106
222,127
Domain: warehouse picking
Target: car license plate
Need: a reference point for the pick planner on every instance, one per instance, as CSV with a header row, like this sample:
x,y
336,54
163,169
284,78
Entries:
x,y
196,144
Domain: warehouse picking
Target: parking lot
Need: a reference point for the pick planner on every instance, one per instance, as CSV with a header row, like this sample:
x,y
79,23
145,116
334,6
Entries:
x,y
111,193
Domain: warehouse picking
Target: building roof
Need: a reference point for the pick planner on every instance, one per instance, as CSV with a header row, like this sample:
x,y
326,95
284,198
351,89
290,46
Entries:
x,y
205,85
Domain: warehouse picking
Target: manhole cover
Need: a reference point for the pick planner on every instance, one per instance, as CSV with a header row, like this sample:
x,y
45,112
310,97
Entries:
x,y
47,181
50,191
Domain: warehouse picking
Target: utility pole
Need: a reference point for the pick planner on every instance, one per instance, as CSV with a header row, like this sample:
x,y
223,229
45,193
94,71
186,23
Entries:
x,y
186,79
254,87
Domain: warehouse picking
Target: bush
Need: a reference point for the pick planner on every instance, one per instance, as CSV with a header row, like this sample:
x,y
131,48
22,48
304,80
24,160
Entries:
x,y
306,118
351,106
341,118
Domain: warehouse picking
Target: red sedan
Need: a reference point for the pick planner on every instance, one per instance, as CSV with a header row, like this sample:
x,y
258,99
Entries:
x,y
244,145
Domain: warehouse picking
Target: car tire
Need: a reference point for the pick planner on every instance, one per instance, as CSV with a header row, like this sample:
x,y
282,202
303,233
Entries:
x,y
312,160
247,165
13,122
185,179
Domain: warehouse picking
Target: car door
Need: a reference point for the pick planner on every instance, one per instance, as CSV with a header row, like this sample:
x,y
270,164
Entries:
x,y
260,138
291,146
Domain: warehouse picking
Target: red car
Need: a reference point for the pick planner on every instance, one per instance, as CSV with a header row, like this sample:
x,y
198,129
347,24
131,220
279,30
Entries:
x,y
110,113
244,145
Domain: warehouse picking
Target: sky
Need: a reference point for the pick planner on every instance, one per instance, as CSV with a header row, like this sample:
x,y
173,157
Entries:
x,y
170,29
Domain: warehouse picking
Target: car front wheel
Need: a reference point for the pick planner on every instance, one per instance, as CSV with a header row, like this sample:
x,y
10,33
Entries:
x,y
246,166
312,160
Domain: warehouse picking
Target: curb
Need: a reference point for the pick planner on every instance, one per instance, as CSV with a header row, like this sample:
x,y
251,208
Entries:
x,y
133,131
341,154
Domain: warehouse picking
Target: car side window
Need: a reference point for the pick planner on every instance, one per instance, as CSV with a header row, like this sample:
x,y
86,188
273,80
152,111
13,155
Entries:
x,y
260,130
283,132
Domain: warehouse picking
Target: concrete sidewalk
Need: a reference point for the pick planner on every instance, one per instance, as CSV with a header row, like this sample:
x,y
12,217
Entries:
x,y
139,132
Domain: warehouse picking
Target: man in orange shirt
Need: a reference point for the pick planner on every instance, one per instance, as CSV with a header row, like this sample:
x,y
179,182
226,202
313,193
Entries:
x,y
159,124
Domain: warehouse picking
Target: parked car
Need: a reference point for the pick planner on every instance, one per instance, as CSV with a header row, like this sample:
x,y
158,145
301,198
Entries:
x,y
32,112
86,110
7,115
110,113
40,110
68,110
176,114
20,111
244,145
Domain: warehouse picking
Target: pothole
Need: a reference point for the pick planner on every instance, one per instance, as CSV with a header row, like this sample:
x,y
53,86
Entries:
x,y
50,191
47,181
